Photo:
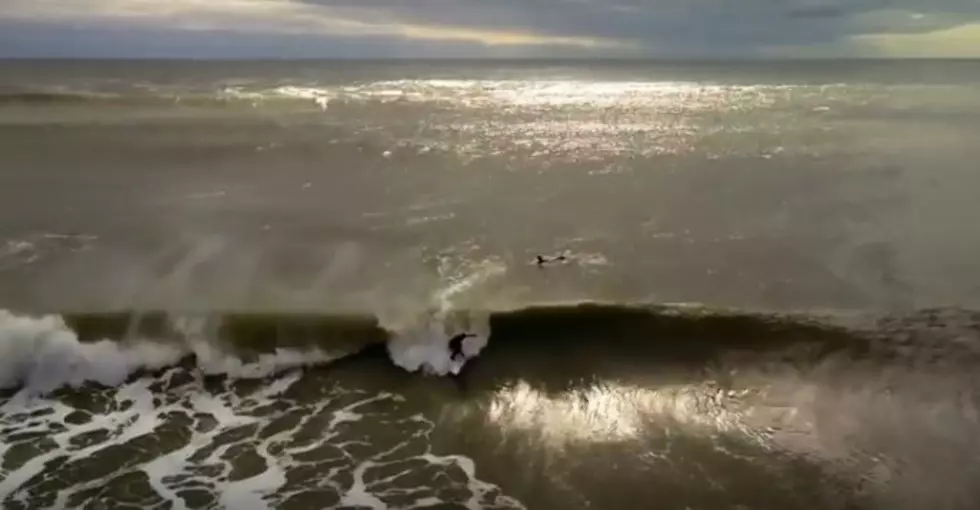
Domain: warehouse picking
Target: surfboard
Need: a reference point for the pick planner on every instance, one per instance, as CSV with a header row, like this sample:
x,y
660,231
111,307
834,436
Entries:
x,y
456,366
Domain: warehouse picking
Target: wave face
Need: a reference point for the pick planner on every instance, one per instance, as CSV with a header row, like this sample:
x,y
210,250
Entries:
x,y
108,347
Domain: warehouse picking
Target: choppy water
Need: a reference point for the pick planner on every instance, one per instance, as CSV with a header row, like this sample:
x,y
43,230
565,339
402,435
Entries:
x,y
225,285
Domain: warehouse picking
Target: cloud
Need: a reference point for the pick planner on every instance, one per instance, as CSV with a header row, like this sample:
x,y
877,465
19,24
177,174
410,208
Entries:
x,y
568,27
817,11
956,42
689,27
275,16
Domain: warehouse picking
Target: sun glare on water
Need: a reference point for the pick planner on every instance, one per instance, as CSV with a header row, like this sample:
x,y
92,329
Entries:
x,y
610,412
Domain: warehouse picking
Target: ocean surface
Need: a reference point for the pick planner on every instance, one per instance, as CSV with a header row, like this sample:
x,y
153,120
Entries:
x,y
231,285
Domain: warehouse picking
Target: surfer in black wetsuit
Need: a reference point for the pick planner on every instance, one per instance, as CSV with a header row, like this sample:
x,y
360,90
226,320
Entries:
x,y
456,345
542,260
455,352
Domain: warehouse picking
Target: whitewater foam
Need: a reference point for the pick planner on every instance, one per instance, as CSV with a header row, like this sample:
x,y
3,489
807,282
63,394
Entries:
x,y
321,97
213,358
421,344
43,354
210,430
424,347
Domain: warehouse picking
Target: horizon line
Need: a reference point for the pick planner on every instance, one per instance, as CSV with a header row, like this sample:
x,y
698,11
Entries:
x,y
665,59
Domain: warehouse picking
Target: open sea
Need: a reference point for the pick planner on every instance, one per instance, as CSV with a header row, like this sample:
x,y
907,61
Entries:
x,y
231,285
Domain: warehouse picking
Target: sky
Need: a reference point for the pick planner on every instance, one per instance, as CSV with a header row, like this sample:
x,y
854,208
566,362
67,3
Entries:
x,y
489,28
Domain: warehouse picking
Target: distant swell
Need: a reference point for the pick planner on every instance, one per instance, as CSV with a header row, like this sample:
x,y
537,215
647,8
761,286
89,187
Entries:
x,y
45,98
197,98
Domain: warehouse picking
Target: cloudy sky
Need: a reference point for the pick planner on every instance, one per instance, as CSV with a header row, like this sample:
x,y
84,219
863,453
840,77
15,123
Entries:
x,y
492,28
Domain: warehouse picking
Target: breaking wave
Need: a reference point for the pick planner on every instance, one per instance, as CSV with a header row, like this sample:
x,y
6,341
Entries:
x,y
42,353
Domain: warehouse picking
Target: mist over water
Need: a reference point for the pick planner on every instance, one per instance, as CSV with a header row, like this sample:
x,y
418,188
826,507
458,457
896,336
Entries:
x,y
231,285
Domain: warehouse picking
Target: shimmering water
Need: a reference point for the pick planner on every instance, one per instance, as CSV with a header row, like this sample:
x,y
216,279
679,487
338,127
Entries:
x,y
251,266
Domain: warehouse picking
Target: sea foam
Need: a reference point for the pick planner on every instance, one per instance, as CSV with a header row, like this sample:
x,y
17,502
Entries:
x,y
43,354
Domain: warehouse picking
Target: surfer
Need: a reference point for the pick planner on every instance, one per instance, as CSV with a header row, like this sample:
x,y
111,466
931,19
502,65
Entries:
x,y
542,260
456,345
456,353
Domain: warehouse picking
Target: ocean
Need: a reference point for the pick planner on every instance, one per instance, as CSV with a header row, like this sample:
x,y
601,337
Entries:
x,y
232,284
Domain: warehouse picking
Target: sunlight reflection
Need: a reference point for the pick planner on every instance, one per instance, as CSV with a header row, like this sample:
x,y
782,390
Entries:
x,y
555,120
552,92
613,412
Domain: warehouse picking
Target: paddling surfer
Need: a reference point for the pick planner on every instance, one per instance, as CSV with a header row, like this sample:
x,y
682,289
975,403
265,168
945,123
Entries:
x,y
542,260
